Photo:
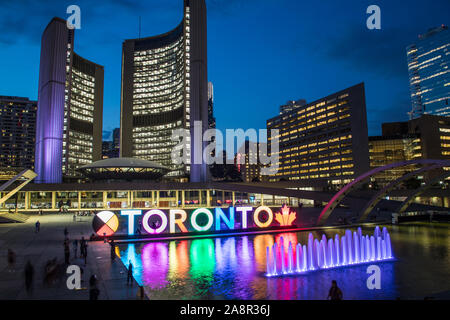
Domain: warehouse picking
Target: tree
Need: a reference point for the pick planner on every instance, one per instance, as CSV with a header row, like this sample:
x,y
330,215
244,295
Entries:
x,y
412,183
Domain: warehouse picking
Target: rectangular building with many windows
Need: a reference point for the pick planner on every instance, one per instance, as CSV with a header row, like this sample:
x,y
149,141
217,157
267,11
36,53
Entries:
x,y
324,140
18,132
248,163
387,149
427,137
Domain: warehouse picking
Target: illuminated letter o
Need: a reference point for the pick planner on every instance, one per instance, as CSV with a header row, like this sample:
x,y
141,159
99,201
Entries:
x,y
147,216
194,219
256,217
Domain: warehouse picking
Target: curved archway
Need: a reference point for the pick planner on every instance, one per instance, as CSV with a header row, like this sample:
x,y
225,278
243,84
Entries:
x,y
383,192
419,191
337,198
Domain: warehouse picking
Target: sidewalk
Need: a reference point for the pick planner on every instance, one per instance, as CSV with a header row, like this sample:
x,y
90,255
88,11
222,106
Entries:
x,y
48,244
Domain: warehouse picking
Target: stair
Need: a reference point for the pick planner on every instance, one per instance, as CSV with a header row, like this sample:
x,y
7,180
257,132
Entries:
x,y
13,217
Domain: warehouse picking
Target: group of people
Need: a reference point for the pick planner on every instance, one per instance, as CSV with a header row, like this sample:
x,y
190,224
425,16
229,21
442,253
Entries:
x,y
28,271
52,268
83,248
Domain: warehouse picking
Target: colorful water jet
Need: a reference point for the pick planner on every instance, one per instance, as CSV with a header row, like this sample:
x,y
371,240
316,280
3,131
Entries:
x,y
350,249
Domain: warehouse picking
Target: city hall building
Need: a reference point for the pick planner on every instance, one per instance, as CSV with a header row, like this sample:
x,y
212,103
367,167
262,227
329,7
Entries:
x,y
165,88
70,108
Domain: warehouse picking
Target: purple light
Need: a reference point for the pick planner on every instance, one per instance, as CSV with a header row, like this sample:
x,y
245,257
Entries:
x,y
51,96
330,253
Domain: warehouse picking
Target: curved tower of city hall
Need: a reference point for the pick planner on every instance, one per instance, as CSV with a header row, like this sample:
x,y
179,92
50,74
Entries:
x,y
165,88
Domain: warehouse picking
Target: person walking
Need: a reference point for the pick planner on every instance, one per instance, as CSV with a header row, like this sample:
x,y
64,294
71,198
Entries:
x,y
75,248
66,252
66,233
335,293
11,260
29,272
130,273
113,250
82,245
83,249
94,292
38,226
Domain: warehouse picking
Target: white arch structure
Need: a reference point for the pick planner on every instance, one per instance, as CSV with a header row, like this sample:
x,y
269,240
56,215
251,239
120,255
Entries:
x,y
338,197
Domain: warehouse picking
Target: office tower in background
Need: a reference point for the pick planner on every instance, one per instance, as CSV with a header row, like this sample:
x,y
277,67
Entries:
x,y
164,88
429,74
324,140
70,107
248,162
18,132
426,137
116,140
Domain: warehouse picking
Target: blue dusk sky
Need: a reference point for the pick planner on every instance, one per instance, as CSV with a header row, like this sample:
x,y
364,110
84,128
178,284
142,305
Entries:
x,y
261,53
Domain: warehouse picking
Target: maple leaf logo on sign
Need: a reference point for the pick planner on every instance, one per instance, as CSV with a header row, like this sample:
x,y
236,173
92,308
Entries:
x,y
286,217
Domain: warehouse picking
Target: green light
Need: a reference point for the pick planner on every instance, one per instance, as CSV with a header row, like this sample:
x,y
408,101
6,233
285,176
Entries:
x,y
202,258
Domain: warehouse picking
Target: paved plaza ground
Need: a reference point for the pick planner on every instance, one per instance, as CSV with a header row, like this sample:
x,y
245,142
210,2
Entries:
x,y
48,244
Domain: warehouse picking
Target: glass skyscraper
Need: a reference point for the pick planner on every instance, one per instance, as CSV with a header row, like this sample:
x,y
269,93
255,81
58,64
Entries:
x,y
429,74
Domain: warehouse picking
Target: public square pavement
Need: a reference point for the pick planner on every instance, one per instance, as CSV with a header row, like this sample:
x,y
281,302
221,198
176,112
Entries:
x,y
48,244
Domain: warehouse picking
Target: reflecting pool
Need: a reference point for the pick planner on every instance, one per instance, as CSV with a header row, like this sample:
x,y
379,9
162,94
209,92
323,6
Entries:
x,y
234,267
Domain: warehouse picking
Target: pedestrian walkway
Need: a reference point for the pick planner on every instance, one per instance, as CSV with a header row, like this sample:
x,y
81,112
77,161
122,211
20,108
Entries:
x,y
48,244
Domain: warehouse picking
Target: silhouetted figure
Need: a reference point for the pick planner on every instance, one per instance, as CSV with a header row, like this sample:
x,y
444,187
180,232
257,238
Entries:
x,y
113,250
141,293
51,270
94,292
82,244
130,273
66,252
66,233
83,250
38,226
335,293
29,272
75,248
11,260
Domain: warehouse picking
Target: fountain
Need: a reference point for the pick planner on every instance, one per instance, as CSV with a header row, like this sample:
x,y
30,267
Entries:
x,y
352,248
